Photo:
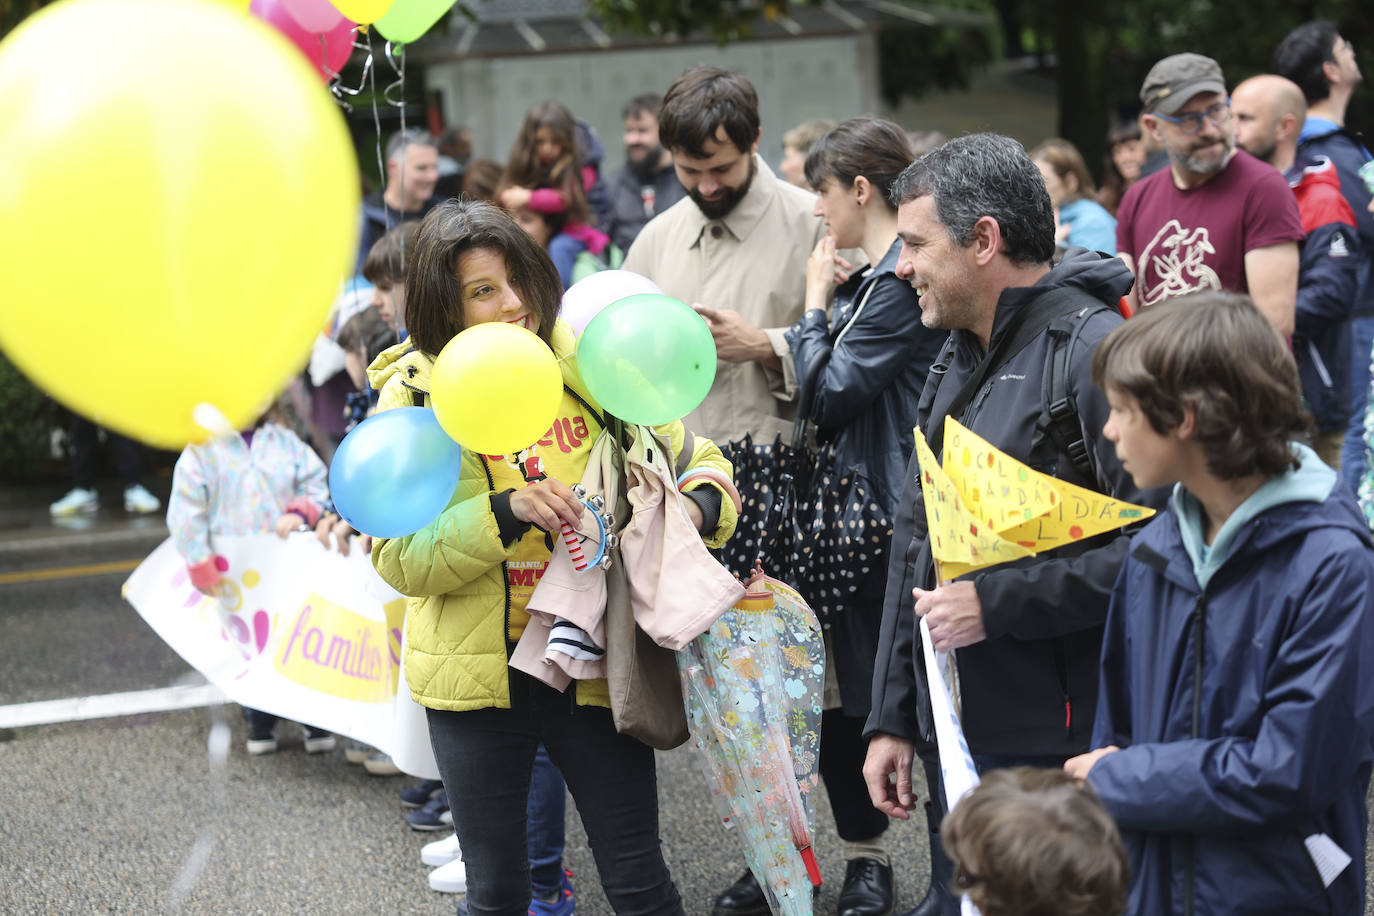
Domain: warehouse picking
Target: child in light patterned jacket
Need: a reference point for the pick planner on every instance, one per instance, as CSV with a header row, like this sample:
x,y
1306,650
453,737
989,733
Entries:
x,y
263,479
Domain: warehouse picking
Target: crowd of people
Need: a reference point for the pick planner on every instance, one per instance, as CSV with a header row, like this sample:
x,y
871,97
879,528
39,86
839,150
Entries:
x,y
1177,717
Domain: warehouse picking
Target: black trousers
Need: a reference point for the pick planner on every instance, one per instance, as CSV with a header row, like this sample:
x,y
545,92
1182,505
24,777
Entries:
x,y
125,452
843,749
486,757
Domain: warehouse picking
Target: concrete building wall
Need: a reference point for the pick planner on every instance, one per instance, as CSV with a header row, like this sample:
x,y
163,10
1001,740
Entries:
x,y
796,80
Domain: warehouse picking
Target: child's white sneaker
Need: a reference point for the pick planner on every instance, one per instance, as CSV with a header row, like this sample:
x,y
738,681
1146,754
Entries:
x,y
450,879
77,502
441,852
140,501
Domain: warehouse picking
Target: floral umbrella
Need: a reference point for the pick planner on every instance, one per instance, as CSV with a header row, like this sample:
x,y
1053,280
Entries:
x,y
753,687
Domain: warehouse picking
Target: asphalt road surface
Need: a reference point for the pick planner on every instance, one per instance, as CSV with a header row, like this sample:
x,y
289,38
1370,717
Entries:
x,y
128,814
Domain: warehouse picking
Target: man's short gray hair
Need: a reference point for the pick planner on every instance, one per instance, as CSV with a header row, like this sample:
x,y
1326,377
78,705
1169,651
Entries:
x,y
985,175
412,136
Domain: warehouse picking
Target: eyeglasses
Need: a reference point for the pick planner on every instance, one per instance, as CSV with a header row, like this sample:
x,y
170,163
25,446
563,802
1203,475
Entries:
x,y
1190,123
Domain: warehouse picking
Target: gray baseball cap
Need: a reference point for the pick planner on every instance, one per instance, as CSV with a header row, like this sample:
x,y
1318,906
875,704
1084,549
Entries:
x,y
1176,79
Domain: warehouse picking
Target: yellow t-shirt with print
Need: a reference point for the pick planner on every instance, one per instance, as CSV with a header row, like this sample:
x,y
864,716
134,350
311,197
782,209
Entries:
x,y
561,453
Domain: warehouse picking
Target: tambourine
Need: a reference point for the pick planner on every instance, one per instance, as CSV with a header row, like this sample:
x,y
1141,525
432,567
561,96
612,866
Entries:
x,y
590,548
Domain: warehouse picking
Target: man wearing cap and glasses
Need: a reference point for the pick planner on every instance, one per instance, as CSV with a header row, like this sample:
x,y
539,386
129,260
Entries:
x,y
1217,218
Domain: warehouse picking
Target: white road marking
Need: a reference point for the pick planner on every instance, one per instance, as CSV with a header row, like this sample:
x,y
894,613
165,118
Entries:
x,y
103,706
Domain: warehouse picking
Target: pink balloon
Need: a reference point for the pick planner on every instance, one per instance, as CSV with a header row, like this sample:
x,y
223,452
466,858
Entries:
x,y
316,16
588,296
337,42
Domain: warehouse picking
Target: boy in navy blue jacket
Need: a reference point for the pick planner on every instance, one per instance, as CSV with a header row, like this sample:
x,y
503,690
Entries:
x,y
1233,731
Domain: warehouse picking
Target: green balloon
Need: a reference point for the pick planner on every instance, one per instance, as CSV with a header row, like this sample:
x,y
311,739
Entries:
x,y
648,359
407,20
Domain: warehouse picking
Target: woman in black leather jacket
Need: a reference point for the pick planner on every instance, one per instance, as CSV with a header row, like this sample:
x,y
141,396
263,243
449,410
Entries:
x,y
862,367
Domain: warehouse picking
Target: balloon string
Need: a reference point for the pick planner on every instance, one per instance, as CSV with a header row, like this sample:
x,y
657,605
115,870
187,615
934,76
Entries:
x,y
400,70
376,118
336,86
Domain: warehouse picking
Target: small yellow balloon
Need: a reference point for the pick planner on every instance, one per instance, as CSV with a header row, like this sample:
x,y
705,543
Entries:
x,y
363,11
178,206
496,388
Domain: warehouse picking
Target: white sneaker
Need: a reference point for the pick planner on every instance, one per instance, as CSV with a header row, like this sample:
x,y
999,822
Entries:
x,y
380,764
450,879
256,747
140,501
78,501
441,852
321,743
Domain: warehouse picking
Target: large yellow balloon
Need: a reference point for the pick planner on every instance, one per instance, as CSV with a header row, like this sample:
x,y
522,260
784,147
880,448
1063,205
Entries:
x,y
496,388
178,205
363,11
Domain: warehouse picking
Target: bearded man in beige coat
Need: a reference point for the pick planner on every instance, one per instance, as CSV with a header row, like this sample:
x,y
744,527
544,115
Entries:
x,y
735,249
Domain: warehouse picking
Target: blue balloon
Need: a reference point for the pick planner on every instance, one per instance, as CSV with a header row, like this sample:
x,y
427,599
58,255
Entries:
x,y
395,472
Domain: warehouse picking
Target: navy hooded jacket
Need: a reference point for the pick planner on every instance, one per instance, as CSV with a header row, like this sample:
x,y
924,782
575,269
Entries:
x,y
1232,757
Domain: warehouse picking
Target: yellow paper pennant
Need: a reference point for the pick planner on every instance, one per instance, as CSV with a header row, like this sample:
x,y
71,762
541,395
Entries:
x,y
958,539
997,488
1081,513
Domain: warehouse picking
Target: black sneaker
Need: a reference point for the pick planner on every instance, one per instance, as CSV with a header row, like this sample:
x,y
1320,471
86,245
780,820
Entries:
x,y
418,795
433,816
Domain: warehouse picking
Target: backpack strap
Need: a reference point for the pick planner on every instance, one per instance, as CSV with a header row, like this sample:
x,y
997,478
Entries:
x,y
1027,324
1061,423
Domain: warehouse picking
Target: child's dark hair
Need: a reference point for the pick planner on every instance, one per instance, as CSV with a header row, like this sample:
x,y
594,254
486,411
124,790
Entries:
x,y
702,100
434,291
366,331
1031,842
1216,354
386,260
564,174
872,147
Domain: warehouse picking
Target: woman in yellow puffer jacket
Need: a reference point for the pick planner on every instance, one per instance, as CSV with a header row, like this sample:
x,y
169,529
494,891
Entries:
x,y
470,572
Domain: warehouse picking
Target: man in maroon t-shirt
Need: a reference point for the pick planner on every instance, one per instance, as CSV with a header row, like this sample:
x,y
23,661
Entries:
x,y
1217,218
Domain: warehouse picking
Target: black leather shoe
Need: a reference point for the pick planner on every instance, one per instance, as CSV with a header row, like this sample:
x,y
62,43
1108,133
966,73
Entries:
x,y
743,898
867,889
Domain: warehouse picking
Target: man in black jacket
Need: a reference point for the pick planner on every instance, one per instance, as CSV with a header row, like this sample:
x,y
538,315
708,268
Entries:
x,y
646,184
977,232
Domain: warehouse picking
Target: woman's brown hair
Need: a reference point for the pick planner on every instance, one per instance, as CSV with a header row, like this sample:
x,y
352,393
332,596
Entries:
x,y
872,147
1114,184
1216,354
1066,160
434,291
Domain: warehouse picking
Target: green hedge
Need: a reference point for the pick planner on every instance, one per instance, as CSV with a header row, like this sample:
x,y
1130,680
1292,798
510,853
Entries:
x,y
27,419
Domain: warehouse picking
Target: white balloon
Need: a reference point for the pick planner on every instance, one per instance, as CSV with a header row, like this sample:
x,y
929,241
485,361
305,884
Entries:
x,y
588,296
